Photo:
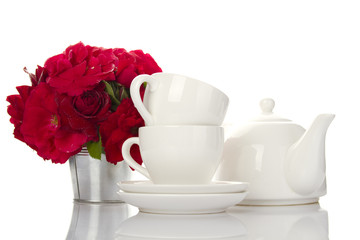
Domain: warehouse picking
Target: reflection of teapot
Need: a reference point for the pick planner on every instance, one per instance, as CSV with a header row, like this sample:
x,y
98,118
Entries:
x,y
307,221
283,163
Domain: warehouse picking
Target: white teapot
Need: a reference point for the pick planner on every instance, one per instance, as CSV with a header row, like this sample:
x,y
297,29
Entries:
x,y
283,163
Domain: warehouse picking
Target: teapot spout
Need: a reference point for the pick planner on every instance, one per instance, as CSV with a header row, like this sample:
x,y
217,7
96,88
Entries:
x,y
305,160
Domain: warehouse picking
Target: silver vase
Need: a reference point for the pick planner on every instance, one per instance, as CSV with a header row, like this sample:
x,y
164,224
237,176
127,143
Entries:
x,y
96,180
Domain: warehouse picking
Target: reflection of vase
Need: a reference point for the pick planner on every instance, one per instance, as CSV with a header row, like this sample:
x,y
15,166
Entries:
x,y
96,220
95,180
299,222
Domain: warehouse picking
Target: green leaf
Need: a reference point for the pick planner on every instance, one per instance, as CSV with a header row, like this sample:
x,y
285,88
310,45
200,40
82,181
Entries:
x,y
109,89
124,93
94,149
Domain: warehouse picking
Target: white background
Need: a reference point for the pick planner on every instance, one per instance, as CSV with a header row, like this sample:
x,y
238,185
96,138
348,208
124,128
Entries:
x,y
304,54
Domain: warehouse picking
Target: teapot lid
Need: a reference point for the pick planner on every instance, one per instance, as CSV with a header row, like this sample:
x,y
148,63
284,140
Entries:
x,y
267,105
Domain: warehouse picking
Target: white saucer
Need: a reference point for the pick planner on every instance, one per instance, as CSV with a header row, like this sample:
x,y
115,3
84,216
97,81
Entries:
x,y
214,187
182,203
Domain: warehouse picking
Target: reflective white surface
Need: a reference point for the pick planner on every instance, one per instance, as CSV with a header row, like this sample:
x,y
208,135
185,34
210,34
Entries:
x,y
96,221
122,221
204,226
307,221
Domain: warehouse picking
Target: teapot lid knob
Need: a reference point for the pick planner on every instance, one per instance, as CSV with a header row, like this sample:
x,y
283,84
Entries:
x,y
267,105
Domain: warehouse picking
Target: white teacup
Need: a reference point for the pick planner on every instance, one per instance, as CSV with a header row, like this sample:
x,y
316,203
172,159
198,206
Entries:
x,y
177,154
172,99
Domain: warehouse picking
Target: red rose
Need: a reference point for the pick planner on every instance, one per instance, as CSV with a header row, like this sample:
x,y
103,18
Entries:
x,y
72,98
80,68
121,125
83,113
16,109
133,63
39,76
42,127
145,64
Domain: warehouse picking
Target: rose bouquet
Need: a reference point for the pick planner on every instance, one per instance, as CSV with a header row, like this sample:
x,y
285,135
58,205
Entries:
x,y
80,98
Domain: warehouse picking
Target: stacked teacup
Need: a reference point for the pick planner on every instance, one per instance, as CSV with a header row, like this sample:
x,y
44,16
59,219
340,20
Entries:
x,y
182,141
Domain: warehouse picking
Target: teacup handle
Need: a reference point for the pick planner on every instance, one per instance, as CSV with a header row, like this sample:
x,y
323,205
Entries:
x,y
152,83
125,150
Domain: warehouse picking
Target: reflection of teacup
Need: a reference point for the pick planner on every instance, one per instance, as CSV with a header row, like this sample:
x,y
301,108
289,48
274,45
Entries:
x,y
159,226
177,154
172,99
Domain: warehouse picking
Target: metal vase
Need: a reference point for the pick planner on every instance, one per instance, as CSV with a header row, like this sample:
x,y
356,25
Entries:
x,y
96,180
